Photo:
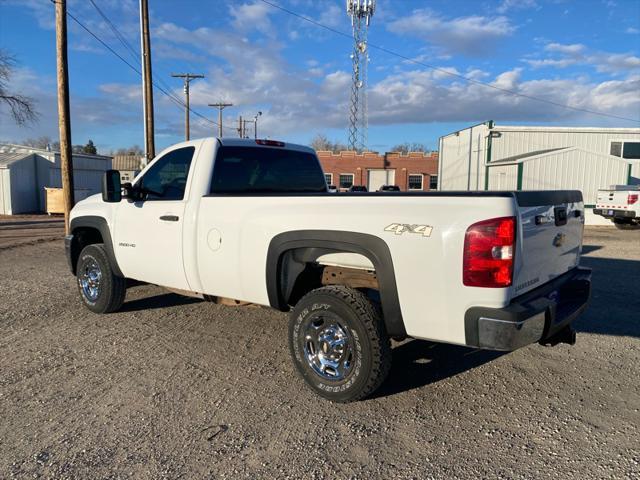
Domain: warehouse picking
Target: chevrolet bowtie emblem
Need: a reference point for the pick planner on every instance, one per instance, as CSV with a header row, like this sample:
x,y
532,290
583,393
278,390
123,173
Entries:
x,y
558,241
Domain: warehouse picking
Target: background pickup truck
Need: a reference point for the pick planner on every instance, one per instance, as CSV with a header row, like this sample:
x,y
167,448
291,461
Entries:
x,y
620,204
252,220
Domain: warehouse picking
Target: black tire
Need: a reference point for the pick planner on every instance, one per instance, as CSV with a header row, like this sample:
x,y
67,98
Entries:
x,y
625,225
107,294
359,325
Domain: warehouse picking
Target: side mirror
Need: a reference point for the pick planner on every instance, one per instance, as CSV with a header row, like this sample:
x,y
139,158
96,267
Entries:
x,y
111,188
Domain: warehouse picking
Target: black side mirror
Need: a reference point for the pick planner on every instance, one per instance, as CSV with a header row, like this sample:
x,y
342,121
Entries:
x,y
111,188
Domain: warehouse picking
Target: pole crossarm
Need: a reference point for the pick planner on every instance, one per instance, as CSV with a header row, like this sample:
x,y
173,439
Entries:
x,y
188,77
220,106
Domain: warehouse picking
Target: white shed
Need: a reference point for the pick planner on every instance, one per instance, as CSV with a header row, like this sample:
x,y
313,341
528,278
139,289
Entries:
x,y
18,182
25,172
498,157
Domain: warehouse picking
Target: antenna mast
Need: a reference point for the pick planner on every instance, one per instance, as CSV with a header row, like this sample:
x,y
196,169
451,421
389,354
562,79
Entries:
x,y
360,12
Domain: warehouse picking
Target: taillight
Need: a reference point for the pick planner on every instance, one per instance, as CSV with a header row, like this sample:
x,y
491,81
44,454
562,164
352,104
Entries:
x,y
632,198
488,253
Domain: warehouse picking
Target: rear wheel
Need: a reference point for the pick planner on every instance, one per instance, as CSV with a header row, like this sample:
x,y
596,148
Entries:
x,y
338,343
101,290
625,224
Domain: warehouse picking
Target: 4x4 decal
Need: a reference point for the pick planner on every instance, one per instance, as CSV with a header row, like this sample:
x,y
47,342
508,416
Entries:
x,y
400,228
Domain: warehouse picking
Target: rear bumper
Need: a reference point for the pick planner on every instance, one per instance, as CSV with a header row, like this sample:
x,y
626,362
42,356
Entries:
x,y
611,213
541,315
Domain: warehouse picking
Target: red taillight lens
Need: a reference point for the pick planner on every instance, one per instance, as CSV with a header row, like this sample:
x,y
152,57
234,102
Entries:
x,y
270,143
632,198
488,253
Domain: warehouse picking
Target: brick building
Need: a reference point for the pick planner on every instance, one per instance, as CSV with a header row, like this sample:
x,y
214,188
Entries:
x,y
415,171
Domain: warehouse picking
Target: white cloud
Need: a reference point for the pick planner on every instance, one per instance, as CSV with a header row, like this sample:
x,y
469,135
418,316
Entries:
x,y
507,5
471,36
578,54
572,49
632,31
417,97
251,16
332,16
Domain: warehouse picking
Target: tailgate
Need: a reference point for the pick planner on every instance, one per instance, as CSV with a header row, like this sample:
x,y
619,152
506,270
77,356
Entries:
x,y
550,239
612,199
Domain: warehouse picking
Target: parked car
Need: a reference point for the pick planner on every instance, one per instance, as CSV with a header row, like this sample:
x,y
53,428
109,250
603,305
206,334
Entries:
x,y
252,220
332,189
620,204
358,188
389,188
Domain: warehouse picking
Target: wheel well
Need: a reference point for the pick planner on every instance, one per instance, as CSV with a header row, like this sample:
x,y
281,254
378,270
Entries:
x,y
83,236
292,268
300,273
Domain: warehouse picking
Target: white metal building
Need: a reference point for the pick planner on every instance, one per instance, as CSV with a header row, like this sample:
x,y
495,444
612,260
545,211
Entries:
x,y
499,157
25,172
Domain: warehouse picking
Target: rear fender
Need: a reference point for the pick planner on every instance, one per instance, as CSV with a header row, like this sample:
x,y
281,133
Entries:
x,y
311,244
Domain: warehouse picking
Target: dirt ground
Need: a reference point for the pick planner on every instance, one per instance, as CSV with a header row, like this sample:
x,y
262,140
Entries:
x,y
172,387
29,229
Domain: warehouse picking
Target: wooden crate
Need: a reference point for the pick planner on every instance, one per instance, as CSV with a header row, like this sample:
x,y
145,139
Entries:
x,y
54,201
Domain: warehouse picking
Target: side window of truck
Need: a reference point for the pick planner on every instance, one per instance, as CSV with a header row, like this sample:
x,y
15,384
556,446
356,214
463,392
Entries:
x,y
167,177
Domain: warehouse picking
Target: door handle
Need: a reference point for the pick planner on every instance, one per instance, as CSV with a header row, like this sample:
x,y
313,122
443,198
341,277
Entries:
x,y
169,218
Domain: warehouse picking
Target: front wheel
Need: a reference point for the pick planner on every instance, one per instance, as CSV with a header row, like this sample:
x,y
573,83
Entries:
x,y
101,290
339,344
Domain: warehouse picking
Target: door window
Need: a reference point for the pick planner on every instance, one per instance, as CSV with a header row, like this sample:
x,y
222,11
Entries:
x,y
167,177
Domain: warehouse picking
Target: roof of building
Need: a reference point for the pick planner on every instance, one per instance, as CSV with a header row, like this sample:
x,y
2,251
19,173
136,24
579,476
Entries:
x,y
126,162
8,158
13,148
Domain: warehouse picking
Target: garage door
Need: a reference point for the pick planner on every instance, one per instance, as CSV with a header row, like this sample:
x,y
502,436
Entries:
x,y
377,178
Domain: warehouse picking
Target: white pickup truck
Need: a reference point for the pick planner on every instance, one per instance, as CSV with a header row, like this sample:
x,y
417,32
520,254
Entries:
x,y
620,204
252,220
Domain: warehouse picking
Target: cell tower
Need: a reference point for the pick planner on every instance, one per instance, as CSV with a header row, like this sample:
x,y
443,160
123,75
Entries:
x,y
360,12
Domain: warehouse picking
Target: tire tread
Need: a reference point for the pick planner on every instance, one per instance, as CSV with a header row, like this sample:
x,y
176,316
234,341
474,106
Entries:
x,y
372,321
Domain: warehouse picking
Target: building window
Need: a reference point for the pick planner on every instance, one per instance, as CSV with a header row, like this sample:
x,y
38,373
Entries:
x,y
346,180
329,178
630,150
415,181
433,182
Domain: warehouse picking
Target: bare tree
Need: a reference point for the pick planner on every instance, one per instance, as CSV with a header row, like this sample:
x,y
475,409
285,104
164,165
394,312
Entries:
x,y
22,108
44,143
321,142
133,150
407,147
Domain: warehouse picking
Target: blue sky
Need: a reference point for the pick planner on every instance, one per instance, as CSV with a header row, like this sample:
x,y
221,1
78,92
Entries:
x,y
582,53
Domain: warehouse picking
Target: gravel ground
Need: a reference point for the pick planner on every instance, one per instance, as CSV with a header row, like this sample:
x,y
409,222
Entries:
x,y
176,388
29,229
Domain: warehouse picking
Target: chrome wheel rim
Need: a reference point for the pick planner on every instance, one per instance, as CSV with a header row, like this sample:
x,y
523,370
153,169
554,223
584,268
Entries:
x,y
89,280
328,347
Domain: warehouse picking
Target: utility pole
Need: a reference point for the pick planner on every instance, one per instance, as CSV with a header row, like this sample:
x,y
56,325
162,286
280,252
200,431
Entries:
x,y
240,127
187,78
220,106
147,82
255,124
64,117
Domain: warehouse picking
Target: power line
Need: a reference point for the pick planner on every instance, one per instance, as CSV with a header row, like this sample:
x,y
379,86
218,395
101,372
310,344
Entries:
x,y
445,71
134,53
117,33
165,92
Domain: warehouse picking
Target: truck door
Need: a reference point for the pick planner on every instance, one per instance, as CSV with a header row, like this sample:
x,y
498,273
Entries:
x,y
148,233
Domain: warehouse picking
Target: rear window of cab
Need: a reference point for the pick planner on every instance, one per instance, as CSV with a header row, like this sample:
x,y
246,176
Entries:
x,y
266,170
